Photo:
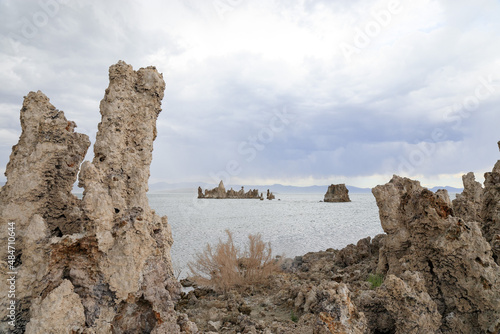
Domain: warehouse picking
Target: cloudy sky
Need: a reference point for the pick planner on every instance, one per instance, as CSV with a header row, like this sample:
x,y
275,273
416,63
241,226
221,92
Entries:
x,y
297,92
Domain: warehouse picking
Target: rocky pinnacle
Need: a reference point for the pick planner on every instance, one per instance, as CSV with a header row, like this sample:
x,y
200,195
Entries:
x,y
101,264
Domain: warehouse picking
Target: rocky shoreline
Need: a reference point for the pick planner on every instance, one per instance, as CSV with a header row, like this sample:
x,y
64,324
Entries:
x,y
437,275
101,264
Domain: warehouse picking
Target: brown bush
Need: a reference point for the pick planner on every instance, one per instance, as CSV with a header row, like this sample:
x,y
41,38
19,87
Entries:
x,y
225,266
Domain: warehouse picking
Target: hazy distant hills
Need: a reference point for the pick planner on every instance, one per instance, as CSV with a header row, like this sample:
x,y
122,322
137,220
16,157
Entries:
x,y
276,188
451,190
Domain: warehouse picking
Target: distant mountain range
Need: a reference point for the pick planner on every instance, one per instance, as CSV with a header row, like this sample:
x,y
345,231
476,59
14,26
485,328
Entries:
x,y
451,190
275,188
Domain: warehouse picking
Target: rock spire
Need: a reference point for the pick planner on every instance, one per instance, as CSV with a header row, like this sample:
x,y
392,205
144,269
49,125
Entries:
x,y
102,264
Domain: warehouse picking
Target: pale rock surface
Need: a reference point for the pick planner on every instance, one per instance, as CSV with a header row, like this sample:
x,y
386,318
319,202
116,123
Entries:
x,y
337,193
408,302
104,260
451,256
331,303
60,312
467,205
443,195
37,198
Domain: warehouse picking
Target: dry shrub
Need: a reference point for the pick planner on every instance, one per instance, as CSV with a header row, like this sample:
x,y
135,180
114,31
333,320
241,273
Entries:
x,y
225,266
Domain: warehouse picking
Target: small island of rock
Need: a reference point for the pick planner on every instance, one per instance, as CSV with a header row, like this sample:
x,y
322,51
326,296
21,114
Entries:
x,y
221,193
337,193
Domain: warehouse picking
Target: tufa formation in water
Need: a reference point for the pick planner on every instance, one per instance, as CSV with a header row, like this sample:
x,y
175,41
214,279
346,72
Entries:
x,y
221,193
337,193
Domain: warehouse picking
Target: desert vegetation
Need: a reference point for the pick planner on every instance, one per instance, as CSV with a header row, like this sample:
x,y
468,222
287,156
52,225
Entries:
x,y
225,266
375,280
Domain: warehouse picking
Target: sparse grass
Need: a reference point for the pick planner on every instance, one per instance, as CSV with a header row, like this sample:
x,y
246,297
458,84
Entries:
x,y
375,280
225,266
294,317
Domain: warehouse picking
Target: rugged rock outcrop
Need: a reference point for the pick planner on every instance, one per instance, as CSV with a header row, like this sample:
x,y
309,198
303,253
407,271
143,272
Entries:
x,y
450,256
37,204
270,195
337,193
332,304
490,209
467,205
221,193
102,264
218,192
408,302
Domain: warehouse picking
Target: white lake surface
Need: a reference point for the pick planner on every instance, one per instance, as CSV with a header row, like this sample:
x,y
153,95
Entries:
x,y
295,225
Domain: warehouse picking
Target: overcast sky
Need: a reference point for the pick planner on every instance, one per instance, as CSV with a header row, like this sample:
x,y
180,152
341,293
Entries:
x,y
298,92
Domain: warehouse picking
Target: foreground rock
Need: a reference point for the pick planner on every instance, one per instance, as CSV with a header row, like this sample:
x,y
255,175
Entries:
x,y
220,192
468,204
408,303
337,193
490,209
449,255
36,205
304,299
102,264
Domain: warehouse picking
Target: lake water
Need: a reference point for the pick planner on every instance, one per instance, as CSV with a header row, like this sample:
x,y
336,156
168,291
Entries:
x,y
295,225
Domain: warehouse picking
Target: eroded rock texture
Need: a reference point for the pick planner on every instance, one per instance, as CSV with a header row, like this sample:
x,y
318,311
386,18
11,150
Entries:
x,y
490,210
337,193
408,302
336,313
450,255
468,204
37,200
102,264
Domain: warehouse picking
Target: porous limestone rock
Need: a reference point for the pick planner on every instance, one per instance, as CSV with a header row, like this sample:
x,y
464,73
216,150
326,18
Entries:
x,y
490,209
37,201
409,304
467,205
60,312
443,195
364,248
450,255
104,260
331,303
337,193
